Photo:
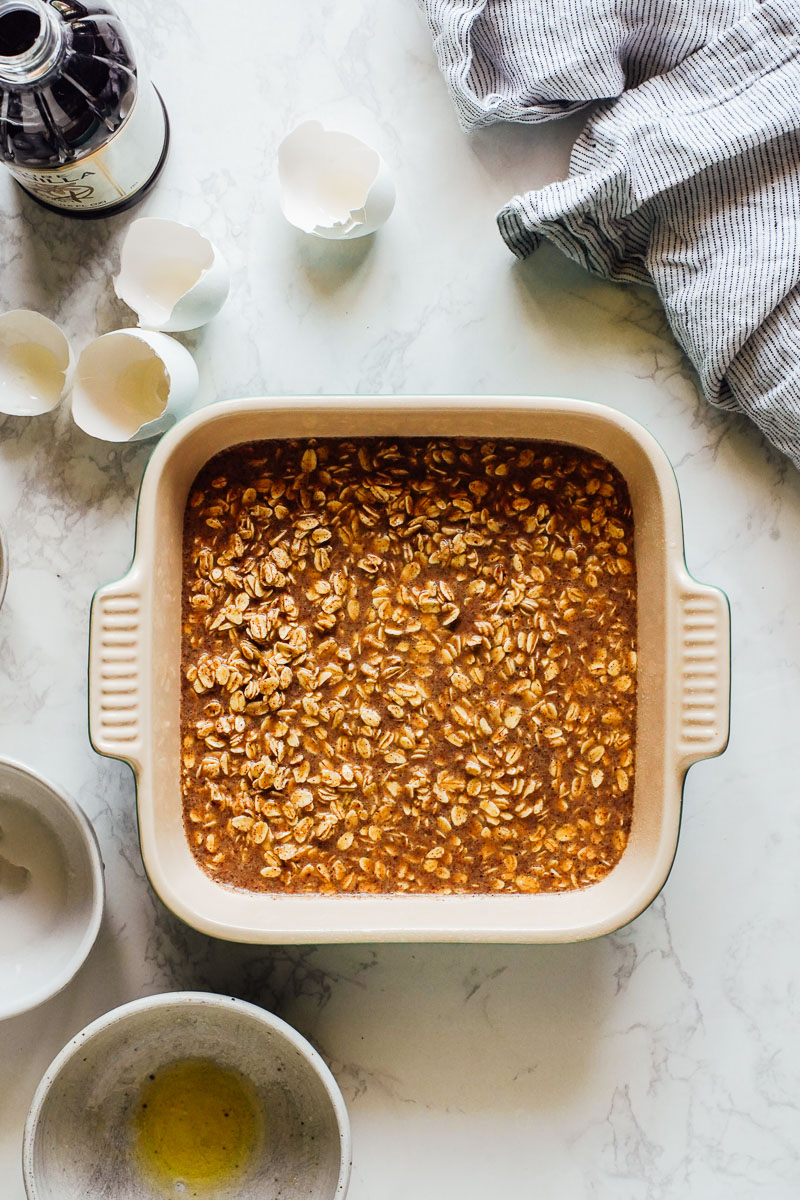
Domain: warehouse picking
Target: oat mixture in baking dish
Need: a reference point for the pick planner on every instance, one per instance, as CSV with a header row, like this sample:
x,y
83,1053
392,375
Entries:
x,y
409,665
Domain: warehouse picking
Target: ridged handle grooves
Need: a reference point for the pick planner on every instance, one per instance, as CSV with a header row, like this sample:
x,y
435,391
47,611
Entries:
x,y
115,716
703,670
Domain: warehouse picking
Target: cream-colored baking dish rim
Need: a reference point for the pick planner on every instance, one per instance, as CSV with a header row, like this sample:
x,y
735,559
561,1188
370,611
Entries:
x,y
684,676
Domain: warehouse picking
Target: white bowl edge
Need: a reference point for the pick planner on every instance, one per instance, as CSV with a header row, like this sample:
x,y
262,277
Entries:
x,y
92,846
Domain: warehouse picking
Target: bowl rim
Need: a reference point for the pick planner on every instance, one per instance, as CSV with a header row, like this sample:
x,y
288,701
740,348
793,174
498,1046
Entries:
x,y
91,846
189,999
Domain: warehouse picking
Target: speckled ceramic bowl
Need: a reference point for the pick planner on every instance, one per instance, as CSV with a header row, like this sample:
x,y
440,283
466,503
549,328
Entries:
x,y
79,1138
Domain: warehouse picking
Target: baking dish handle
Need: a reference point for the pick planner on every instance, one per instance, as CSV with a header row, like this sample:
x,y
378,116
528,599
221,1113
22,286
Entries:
x,y
704,670
115,672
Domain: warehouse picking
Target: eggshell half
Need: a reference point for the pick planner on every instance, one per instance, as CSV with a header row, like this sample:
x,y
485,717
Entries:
x,y
333,185
171,275
35,360
132,384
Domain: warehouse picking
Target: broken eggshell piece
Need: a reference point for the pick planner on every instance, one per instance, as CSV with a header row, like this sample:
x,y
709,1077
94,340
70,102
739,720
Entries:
x,y
333,185
34,363
172,276
132,384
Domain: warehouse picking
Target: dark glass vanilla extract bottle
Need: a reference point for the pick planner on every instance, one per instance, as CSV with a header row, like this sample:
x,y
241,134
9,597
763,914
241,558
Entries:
x,y
81,126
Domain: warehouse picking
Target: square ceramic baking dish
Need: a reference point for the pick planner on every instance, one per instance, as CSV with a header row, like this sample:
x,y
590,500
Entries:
x,y
683,698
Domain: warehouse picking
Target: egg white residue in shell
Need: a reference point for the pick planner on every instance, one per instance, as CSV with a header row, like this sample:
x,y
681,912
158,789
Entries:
x,y
171,275
132,384
35,360
333,185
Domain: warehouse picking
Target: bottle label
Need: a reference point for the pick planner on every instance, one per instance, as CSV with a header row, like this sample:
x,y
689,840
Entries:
x,y
114,172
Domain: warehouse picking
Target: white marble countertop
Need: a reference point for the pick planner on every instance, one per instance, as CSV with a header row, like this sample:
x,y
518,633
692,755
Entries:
x,y
660,1063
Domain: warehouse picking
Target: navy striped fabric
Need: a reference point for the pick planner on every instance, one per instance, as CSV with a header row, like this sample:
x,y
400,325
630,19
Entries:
x,y
690,180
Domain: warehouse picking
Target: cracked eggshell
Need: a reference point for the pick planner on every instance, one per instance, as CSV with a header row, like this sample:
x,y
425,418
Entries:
x,y
172,276
333,185
132,384
35,360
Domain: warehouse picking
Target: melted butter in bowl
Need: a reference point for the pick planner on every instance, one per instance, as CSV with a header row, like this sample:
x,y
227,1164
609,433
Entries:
x,y
187,1096
198,1128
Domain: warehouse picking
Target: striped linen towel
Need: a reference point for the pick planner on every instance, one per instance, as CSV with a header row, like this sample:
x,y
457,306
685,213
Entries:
x,y
689,181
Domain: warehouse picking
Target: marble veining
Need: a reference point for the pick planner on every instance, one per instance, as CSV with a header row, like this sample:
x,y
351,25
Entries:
x,y
661,1063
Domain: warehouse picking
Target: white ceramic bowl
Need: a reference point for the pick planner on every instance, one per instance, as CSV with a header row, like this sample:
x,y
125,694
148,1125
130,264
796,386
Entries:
x,y
51,887
79,1134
